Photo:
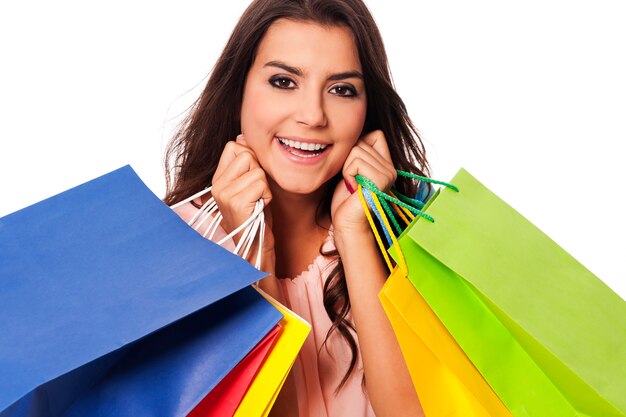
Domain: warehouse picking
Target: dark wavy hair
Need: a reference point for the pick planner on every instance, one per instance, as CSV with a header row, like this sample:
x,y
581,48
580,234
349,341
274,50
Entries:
x,y
193,153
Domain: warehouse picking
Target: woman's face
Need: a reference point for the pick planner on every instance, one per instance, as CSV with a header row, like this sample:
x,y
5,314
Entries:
x,y
304,103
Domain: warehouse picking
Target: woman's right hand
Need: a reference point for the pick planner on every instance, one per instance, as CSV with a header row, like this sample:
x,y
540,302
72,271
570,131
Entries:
x,y
238,183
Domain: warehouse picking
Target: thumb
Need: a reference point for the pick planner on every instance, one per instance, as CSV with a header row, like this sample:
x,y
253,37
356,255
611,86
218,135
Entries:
x,y
241,140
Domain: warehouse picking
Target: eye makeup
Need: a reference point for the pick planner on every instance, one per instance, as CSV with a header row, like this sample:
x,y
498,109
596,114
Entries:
x,y
276,80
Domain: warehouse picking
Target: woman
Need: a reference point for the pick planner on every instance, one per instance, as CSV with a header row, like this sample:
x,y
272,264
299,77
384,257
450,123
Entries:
x,y
303,88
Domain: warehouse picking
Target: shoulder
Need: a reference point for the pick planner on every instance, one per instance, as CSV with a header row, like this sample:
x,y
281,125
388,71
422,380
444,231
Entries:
x,y
186,211
203,223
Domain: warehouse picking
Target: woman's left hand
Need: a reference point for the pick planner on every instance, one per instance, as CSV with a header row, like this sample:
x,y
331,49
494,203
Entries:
x,y
370,158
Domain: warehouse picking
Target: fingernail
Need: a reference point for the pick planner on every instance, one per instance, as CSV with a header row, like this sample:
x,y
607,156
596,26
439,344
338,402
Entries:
x,y
348,186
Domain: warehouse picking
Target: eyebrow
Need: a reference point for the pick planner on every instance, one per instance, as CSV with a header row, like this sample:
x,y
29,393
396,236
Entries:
x,y
299,72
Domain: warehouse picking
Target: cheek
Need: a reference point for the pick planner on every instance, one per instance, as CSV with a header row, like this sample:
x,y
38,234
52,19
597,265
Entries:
x,y
359,118
349,122
259,112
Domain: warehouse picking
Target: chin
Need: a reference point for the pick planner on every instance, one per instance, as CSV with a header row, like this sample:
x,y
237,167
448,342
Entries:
x,y
296,188
295,185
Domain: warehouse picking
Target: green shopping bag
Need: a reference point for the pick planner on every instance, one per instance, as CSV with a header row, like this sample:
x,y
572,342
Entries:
x,y
546,334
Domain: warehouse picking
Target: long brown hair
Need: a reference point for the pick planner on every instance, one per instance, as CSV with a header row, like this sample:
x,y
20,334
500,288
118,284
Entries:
x,y
194,151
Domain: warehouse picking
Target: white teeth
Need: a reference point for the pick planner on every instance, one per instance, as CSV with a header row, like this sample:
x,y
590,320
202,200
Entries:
x,y
301,145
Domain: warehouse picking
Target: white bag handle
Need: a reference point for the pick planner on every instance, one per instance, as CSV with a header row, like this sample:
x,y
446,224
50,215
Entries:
x,y
209,210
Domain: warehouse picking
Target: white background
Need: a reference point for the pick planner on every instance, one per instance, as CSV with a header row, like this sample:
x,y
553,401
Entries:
x,y
529,96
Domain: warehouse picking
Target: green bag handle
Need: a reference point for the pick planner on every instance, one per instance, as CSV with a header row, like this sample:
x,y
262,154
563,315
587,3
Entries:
x,y
412,205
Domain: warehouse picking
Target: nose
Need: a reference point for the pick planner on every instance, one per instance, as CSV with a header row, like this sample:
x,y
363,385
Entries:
x,y
311,110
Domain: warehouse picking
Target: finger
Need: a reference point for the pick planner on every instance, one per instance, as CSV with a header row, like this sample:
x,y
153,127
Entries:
x,y
245,162
231,151
244,202
252,184
237,201
383,178
239,161
241,140
375,160
383,168
232,179
366,151
376,139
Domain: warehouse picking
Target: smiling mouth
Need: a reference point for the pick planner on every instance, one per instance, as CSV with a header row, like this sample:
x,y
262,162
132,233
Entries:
x,y
302,149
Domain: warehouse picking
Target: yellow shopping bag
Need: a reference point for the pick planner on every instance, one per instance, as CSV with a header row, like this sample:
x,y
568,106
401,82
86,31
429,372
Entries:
x,y
446,381
263,391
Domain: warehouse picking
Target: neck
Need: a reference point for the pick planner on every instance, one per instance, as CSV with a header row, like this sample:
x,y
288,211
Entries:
x,y
295,214
298,232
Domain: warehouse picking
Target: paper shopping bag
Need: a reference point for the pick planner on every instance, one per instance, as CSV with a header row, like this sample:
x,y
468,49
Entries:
x,y
257,397
86,274
445,380
271,377
546,334
170,372
224,399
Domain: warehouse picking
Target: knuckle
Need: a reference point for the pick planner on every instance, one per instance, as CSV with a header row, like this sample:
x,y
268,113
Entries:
x,y
216,189
250,159
356,159
358,151
230,148
256,176
244,157
240,205
378,133
347,168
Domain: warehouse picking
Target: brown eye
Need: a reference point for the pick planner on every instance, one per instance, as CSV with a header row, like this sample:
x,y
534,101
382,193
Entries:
x,y
345,91
281,82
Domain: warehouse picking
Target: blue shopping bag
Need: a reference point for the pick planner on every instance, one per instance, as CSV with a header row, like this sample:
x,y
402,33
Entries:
x,y
171,371
95,285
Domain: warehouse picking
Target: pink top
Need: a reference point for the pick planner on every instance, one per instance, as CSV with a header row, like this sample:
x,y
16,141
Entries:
x,y
316,376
